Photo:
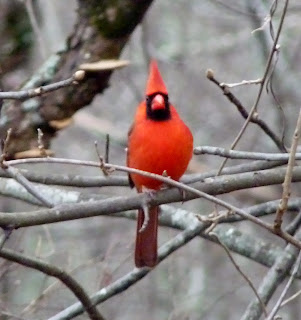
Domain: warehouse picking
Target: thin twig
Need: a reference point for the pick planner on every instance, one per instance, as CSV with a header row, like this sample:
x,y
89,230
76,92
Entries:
x,y
30,93
15,173
33,304
291,298
99,181
272,280
107,150
234,154
284,292
41,143
262,84
241,83
102,162
58,273
135,275
212,234
71,180
288,177
243,111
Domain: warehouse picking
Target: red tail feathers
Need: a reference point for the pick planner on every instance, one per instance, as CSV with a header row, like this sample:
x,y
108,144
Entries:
x,y
146,241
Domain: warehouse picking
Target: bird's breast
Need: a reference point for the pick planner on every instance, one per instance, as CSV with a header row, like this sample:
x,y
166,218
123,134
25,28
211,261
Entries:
x,y
157,147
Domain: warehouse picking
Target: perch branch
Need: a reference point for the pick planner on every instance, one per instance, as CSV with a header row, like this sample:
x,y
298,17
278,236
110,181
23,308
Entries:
x,y
29,217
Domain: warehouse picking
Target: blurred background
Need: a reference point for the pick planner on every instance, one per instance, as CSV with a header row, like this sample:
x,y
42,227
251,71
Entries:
x,y
186,37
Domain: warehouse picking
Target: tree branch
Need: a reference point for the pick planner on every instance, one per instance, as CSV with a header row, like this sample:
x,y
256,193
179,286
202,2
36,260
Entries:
x,y
30,93
101,31
237,241
62,213
99,181
272,280
287,286
132,277
213,186
249,282
243,111
262,84
58,273
288,176
234,154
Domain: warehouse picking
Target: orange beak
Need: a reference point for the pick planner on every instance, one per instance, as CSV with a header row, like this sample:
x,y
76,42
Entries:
x,y
155,81
158,102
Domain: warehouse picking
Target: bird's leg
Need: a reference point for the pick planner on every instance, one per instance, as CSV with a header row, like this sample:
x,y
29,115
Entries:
x,y
145,206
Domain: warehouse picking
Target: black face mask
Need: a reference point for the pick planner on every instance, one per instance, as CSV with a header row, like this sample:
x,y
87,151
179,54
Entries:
x,y
160,114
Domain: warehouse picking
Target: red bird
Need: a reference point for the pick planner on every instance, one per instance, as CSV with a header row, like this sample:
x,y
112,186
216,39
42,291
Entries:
x,y
158,141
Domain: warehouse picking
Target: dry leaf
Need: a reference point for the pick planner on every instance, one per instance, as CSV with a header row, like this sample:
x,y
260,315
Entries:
x,y
104,65
60,124
32,153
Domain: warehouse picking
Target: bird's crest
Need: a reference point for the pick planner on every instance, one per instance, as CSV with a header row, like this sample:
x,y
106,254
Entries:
x,y
155,81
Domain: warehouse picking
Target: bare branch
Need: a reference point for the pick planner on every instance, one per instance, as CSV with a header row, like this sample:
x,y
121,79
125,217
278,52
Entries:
x,y
132,277
56,272
11,188
88,181
272,280
290,299
59,214
254,118
70,179
241,83
262,84
234,154
287,286
30,93
288,176
14,173
241,272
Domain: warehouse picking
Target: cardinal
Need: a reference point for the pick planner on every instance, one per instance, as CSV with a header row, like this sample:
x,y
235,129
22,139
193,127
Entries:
x,y
158,142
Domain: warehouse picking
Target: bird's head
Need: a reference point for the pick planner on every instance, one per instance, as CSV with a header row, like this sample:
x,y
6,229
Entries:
x,y
157,105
